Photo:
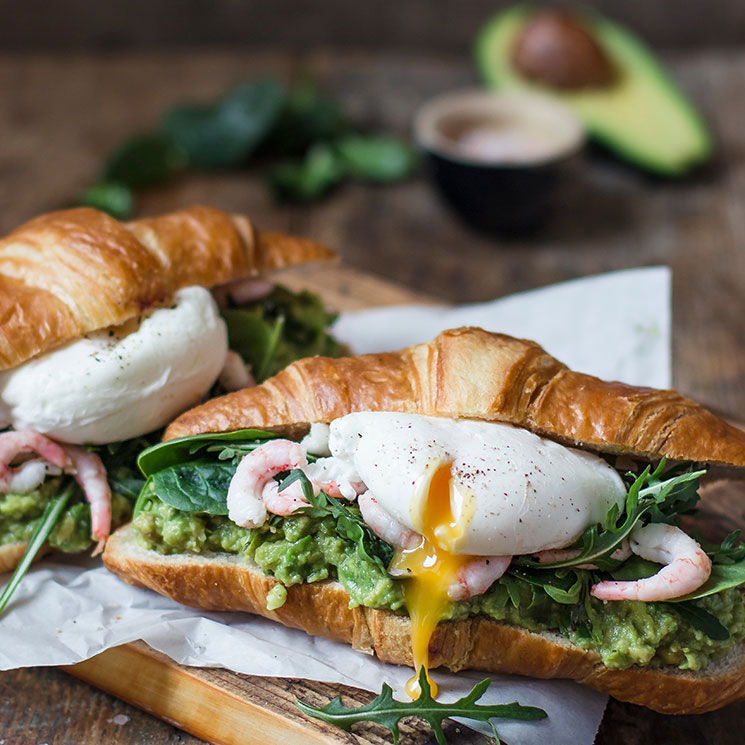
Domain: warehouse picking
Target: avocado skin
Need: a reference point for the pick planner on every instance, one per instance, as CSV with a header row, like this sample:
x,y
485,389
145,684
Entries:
x,y
643,117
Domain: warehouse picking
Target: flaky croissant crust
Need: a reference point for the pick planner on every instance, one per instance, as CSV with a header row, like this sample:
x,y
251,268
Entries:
x,y
67,273
475,374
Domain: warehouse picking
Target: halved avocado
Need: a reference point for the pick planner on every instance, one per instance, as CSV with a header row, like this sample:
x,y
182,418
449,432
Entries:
x,y
641,114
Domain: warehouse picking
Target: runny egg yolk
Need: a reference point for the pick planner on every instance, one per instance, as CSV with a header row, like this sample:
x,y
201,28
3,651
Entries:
x,y
430,569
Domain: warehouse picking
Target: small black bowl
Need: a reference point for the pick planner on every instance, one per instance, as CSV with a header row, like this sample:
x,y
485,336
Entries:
x,y
496,158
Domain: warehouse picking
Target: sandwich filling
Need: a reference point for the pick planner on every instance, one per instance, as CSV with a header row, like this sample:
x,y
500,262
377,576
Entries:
x,y
446,519
76,417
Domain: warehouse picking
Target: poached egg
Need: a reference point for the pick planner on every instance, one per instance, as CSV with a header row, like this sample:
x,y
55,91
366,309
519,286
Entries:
x,y
469,489
121,382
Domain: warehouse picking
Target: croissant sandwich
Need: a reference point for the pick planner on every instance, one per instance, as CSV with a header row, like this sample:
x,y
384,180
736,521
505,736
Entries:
x,y
107,331
470,503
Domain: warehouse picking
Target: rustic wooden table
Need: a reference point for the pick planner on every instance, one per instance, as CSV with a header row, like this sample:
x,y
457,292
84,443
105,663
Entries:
x,y
60,115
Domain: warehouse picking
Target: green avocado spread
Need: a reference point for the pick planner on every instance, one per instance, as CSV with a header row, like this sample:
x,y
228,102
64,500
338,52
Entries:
x,y
300,548
20,515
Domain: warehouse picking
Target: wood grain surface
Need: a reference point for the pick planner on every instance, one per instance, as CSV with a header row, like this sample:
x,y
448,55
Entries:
x,y
62,114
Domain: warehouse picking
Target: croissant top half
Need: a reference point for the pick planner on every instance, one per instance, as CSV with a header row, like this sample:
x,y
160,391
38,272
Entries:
x,y
474,374
67,273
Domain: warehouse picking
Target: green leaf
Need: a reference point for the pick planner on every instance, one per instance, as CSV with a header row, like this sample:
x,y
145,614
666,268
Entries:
x,y
224,134
194,487
649,495
253,337
722,577
309,179
307,117
181,450
349,522
701,620
112,197
385,710
378,159
144,160
49,519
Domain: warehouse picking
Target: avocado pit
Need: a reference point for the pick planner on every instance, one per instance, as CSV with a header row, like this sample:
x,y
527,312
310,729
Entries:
x,y
556,49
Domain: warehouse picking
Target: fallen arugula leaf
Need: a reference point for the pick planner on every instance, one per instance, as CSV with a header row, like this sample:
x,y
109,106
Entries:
x,y
49,519
387,711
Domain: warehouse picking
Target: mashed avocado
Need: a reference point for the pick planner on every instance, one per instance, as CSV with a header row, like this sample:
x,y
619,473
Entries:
x,y
303,549
20,515
292,549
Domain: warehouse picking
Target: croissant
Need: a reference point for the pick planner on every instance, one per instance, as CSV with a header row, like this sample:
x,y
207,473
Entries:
x,y
464,373
67,273
474,374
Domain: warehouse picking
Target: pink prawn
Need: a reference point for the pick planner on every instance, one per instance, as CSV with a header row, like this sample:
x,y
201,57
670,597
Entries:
x,y
253,490
27,441
90,473
686,568
476,577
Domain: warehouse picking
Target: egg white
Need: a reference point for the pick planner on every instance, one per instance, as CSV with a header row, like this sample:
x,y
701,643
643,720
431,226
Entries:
x,y
512,492
122,382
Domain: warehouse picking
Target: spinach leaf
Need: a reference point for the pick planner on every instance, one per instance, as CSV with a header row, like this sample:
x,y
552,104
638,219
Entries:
x,y
112,197
376,158
282,327
253,337
182,449
144,160
308,179
701,620
224,134
308,116
201,486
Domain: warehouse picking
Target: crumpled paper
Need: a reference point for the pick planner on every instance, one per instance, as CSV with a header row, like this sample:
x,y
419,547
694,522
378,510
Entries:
x,y
68,609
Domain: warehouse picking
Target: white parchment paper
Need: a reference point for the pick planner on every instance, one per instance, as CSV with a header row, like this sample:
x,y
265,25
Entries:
x,y
616,326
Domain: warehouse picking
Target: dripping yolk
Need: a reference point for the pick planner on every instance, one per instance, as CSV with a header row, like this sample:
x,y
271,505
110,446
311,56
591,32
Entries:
x,y
430,569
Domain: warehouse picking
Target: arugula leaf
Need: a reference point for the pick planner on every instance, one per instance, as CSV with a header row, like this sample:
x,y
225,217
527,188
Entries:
x,y
649,495
700,619
201,486
49,519
224,134
387,711
349,522
180,450
565,587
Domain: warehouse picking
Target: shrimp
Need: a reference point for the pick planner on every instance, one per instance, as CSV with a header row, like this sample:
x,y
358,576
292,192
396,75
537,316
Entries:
x,y
90,473
476,577
551,555
253,490
27,441
386,527
687,566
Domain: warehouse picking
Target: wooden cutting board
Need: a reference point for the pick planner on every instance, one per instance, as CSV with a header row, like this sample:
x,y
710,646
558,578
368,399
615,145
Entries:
x,y
227,708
